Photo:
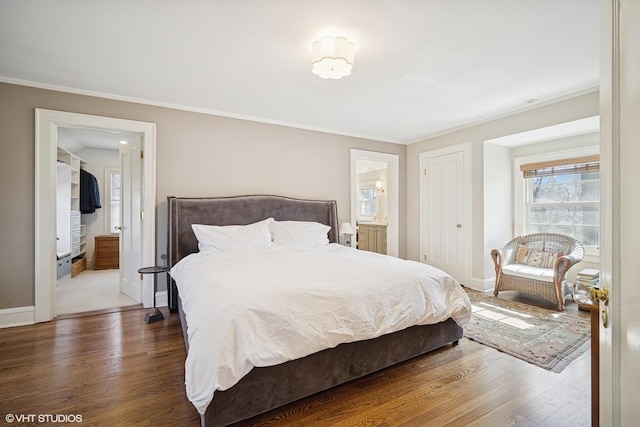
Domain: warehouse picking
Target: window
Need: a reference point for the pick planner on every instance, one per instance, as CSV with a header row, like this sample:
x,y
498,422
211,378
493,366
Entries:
x,y
368,201
564,197
112,214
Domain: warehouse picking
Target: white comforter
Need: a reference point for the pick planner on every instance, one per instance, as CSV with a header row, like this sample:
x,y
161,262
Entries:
x,y
264,307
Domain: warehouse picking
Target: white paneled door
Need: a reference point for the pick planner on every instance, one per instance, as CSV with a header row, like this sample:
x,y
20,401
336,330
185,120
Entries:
x,y
443,210
131,220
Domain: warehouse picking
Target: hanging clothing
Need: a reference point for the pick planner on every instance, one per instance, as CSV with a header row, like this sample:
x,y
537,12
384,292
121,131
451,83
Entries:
x,y
89,193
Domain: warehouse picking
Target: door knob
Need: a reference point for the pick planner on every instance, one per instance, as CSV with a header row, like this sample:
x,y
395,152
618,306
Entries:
x,y
459,225
600,295
118,228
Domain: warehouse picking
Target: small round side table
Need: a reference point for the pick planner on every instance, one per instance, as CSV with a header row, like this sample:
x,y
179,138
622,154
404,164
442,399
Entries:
x,y
154,314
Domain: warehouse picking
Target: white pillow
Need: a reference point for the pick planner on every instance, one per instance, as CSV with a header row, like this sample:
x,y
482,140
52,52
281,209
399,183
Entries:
x,y
299,233
232,238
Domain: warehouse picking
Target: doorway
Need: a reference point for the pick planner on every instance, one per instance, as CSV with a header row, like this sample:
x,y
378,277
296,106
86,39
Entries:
x,y
95,281
48,122
375,186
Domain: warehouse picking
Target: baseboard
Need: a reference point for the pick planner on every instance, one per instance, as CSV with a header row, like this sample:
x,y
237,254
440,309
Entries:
x,y
18,316
162,299
482,285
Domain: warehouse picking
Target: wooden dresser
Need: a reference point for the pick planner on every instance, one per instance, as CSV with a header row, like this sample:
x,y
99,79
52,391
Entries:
x,y
107,252
372,237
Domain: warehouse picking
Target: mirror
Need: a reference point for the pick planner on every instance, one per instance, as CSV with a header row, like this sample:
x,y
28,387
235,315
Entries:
x,y
374,201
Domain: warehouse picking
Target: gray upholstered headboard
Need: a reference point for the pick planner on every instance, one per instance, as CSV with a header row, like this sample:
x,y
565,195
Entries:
x,y
238,210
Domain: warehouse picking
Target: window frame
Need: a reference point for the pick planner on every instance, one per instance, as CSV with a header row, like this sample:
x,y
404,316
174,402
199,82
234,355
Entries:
x,y
521,220
366,186
108,170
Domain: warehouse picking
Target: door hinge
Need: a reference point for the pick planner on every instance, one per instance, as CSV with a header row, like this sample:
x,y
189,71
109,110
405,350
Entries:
x,y
425,172
425,257
142,154
141,214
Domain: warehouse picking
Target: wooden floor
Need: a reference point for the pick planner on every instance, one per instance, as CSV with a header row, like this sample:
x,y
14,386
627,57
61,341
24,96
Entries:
x,y
114,369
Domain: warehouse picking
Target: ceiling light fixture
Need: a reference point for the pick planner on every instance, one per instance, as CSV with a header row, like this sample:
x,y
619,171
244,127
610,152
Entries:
x,y
332,57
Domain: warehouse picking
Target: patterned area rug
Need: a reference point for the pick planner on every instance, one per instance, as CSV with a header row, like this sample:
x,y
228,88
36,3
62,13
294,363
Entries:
x,y
545,338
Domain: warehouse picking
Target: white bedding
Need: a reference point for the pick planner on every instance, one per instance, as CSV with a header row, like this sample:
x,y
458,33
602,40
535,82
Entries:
x,y
266,306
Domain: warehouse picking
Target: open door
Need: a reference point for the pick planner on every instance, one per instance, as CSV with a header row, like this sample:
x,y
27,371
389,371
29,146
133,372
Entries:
x,y
620,202
131,219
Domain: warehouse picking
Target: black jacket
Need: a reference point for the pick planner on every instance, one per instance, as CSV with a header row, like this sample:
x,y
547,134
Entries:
x,y
89,193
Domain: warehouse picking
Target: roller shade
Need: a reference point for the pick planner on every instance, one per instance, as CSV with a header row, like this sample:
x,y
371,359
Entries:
x,y
586,164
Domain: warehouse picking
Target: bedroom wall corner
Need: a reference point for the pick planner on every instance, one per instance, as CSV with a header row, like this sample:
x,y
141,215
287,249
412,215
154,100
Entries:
x,y
567,109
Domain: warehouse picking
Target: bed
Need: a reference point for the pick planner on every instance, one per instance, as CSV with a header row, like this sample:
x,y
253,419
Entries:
x,y
262,388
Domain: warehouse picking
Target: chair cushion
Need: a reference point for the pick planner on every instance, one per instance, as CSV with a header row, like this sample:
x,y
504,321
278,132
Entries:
x,y
534,258
529,272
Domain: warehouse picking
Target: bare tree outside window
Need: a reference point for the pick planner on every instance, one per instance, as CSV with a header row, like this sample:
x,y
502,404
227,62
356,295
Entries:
x,y
567,203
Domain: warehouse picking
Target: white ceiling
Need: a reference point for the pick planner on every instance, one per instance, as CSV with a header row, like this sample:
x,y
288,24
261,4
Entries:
x,y
422,67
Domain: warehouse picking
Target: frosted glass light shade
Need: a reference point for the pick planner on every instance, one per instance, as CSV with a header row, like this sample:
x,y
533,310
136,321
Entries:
x,y
332,57
346,228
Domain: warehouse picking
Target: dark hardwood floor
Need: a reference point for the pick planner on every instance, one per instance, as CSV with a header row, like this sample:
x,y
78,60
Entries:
x,y
113,369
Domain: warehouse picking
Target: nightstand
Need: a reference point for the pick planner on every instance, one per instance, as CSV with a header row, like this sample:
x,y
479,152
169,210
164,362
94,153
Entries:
x,y
154,314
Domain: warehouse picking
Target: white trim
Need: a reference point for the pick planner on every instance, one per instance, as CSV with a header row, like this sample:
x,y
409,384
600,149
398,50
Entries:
x,y
482,285
146,101
465,148
180,107
46,124
18,316
162,299
392,191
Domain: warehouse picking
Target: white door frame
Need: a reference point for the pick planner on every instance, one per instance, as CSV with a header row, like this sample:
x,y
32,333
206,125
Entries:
x,y
393,194
465,148
46,135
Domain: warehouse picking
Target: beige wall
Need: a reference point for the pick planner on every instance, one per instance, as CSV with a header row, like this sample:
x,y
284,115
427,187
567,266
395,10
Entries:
x,y
481,271
197,155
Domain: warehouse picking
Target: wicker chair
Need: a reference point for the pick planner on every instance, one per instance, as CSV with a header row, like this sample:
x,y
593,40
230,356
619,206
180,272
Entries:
x,y
547,283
